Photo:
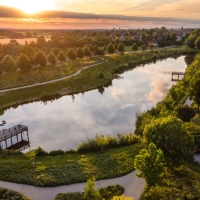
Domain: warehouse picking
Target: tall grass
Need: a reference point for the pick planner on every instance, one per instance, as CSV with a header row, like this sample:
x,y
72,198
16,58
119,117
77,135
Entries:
x,y
120,140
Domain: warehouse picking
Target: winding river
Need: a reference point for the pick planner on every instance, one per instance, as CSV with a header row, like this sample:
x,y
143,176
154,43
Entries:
x,y
67,121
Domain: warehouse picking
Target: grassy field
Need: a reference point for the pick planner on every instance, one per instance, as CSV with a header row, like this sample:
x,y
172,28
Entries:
x,y
68,168
42,74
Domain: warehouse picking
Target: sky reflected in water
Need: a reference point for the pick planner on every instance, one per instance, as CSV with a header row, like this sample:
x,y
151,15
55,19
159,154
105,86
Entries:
x,y
64,123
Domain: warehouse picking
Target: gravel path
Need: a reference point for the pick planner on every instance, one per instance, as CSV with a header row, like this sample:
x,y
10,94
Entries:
x,y
133,187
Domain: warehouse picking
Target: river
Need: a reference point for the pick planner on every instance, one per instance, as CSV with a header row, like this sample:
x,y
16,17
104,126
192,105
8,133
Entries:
x,y
67,121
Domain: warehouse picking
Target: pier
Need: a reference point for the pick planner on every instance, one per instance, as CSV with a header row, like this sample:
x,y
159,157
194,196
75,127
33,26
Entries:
x,y
15,131
177,75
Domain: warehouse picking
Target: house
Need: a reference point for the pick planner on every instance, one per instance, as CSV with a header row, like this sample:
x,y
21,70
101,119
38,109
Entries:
x,y
153,43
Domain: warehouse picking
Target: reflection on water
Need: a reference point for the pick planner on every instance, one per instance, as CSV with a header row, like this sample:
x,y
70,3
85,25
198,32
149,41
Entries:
x,y
69,120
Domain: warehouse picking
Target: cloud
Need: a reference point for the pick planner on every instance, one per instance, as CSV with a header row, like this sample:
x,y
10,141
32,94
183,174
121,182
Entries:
x,y
117,94
159,91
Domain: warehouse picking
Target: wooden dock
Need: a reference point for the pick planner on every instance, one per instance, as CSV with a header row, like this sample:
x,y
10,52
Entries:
x,y
177,75
14,131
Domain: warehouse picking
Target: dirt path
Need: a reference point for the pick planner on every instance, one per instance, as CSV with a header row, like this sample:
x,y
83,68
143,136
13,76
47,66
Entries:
x,y
132,184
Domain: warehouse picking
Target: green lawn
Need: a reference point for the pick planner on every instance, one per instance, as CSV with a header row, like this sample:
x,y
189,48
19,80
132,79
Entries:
x,y
42,74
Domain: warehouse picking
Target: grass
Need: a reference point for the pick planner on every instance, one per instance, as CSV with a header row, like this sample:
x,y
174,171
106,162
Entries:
x,y
42,74
69,168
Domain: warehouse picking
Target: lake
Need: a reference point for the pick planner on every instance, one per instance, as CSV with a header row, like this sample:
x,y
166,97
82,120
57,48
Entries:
x,y
67,121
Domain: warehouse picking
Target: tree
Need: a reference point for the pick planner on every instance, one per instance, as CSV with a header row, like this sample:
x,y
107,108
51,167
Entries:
x,y
51,58
40,59
71,54
144,47
120,47
8,64
169,135
173,36
195,88
79,53
61,56
184,112
86,51
23,62
89,191
135,47
191,40
122,197
110,48
101,141
151,164
197,42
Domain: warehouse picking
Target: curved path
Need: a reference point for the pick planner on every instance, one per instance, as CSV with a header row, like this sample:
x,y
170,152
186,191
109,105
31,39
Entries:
x,y
133,187
51,81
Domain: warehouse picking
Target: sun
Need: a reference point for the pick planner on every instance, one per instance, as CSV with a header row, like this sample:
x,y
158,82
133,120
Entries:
x,y
30,6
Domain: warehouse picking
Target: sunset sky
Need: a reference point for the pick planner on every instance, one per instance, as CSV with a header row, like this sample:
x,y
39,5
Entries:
x,y
147,13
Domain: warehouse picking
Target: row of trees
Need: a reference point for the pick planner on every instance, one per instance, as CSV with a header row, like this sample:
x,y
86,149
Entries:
x,y
9,65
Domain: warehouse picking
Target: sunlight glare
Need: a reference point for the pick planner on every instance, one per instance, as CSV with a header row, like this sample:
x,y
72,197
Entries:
x,y
30,6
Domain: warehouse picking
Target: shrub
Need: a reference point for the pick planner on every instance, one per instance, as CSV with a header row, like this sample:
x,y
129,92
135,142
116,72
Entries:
x,y
40,152
6,153
108,192
101,75
56,152
184,112
121,140
10,194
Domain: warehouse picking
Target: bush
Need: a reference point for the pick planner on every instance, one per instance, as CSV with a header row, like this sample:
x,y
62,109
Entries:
x,y
69,196
101,75
184,112
121,140
6,153
10,194
108,192
71,151
56,152
40,152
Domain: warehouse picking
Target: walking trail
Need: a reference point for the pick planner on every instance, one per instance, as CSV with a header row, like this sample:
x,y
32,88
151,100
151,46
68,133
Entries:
x,y
133,187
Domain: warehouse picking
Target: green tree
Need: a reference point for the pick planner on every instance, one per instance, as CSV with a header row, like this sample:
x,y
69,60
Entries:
x,y
151,165
101,141
195,88
86,51
122,197
71,54
197,42
184,112
8,64
79,53
89,191
173,36
169,135
144,47
40,59
191,40
51,58
120,47
110,48
61,56
23,62
115,45
135,47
